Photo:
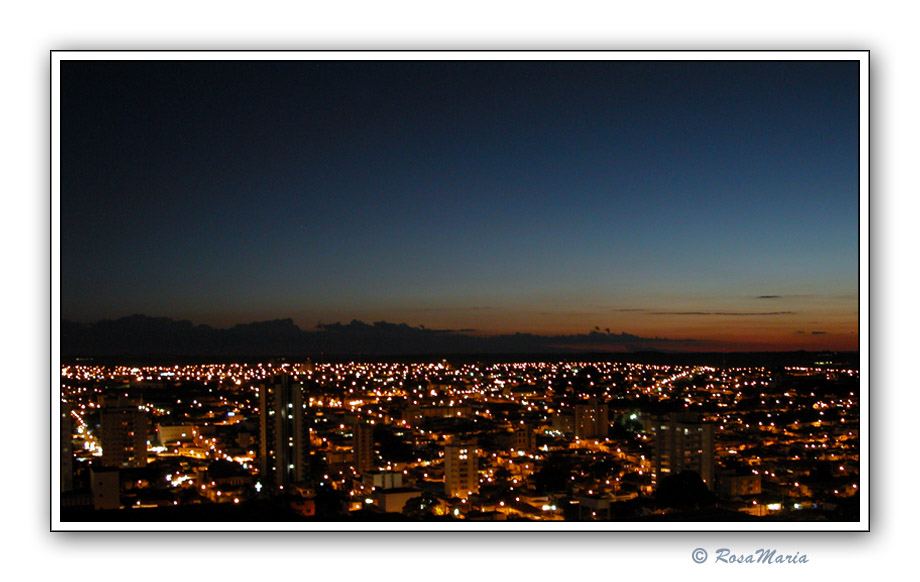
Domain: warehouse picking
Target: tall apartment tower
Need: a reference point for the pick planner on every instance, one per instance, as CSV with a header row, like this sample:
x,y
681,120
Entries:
x,y
66,448
681,443
284,444
592,420
124,433
363,445
461,469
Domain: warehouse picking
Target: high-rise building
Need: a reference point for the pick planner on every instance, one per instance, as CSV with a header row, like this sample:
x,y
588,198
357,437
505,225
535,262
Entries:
x,y
564,422
461,469
124,433
683,443
592,420
285,437
363,446
66,448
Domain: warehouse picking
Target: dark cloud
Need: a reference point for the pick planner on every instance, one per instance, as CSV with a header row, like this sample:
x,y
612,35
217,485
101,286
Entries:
x,y
680,313
818,332
723,313
568,313
769,297
162,336
432,309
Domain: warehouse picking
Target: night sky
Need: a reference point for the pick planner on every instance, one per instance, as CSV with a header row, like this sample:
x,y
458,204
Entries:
x,y
716,201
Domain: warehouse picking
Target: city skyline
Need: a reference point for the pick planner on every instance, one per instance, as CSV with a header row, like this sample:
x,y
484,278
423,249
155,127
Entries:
x,y
701,201
459,443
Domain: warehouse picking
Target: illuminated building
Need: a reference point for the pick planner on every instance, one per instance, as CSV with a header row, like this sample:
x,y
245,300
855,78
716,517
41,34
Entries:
x,y
394,500
382,479
592,420
564,423
461,469
66,448
175,435
363,445
733,484
524,438
683,443
124,433
285,439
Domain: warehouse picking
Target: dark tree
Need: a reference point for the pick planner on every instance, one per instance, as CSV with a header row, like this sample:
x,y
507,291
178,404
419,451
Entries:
x,y
554,475
392,447
330,504
684,490
421,507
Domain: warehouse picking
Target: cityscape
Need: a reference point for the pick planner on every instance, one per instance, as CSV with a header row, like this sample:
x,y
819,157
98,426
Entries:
x,y
452,441
460,291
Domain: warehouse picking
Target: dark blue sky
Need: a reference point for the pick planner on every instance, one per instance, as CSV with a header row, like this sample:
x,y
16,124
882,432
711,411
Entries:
x,y
706,200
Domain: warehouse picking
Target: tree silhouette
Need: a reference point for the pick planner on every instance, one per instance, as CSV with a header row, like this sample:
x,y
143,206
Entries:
x,y
421,507
684,490
554,475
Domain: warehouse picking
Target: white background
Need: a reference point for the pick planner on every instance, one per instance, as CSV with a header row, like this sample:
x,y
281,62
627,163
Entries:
x,y
29,32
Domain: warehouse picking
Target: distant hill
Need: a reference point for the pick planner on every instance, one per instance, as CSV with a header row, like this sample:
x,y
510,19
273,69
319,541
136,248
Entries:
x,y
144,337
140,335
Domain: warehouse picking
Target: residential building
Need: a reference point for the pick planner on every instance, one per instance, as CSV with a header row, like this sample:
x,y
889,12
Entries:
x,y
123,435
683,443
592,420
524,438
284,435
461,469
363,447
66,448
734,484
